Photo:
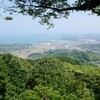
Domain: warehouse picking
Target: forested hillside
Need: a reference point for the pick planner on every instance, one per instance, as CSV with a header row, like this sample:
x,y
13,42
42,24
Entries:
x,y
49,78
80,56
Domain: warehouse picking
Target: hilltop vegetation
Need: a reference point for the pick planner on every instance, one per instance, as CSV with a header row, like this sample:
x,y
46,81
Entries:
x,y
49,78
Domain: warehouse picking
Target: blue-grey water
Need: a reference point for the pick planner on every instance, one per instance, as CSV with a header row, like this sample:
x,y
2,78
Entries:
x,y
37,38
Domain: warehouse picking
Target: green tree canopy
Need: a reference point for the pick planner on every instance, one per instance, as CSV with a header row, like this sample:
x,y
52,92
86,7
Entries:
x,y
48,9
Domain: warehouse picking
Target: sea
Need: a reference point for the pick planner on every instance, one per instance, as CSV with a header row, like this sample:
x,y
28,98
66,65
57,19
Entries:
x,y
38,38
31,39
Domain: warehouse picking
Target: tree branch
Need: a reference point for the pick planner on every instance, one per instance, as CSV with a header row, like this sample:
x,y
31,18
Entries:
x,y
85,6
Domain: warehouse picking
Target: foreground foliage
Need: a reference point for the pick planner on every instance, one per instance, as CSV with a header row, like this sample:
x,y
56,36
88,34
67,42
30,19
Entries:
x,y
47,78
48,9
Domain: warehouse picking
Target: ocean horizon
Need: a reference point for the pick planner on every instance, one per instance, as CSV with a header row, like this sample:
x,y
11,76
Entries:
x,y
31,39
38,38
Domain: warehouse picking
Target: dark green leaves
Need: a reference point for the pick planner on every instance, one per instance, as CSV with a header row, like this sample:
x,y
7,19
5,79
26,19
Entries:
x,y
8,18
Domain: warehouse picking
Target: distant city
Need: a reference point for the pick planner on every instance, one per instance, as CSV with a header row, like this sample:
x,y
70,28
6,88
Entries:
x,y
43,43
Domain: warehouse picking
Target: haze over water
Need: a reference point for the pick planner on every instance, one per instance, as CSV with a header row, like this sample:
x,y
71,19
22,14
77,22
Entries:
x,y
37,38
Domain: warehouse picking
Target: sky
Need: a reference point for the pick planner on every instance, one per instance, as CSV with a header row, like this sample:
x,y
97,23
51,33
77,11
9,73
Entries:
x,y
77,22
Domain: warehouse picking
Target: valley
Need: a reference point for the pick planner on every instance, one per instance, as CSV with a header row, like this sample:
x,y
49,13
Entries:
x,y
55,70
85,49
23,50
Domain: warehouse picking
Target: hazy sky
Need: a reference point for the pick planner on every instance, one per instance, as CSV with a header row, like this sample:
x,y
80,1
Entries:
x,y
77,22
23,26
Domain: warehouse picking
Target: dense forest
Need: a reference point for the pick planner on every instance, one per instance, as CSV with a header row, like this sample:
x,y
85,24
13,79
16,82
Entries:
x,y
48,78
